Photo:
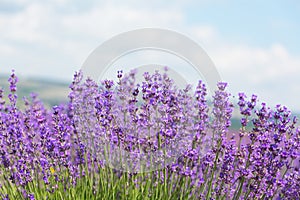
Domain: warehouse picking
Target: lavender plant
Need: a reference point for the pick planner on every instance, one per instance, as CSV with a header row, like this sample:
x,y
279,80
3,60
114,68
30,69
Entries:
x,y
147,140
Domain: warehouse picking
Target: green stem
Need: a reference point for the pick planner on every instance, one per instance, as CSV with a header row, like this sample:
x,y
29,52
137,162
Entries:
x,y
210,185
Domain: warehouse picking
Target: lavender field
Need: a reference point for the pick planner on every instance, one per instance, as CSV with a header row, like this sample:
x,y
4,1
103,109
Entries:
x,y
147,140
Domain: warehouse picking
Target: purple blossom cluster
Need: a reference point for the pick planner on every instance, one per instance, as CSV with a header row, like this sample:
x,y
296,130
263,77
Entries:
x,y
170,136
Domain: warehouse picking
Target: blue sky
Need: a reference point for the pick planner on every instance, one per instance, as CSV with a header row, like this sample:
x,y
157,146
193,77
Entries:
x,y
255,45
256,22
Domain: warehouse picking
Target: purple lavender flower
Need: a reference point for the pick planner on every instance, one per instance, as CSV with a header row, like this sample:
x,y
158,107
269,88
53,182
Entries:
x,y
57,148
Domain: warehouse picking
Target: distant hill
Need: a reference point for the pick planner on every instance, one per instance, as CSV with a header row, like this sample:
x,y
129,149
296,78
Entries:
x,y
50,92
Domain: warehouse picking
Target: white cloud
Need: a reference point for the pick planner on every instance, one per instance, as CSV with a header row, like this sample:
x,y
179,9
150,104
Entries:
x,y
259,64
6,49
39,33
108,19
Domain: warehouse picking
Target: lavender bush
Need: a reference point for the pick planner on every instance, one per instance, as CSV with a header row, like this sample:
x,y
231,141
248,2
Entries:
x,y
149,140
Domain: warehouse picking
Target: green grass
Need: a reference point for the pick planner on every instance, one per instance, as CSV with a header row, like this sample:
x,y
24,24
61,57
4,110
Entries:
x,y
103,184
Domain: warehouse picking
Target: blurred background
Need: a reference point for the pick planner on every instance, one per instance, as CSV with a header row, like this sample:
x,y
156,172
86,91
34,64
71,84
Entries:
x,y
255,45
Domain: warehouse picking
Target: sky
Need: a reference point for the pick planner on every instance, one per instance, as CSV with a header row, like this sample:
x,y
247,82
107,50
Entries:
x,y
255,45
